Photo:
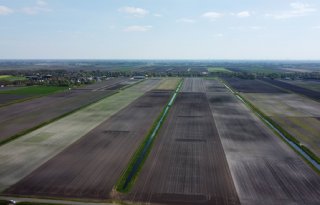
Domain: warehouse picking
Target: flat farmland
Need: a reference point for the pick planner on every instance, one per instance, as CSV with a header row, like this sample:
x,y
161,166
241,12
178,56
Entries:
x,y
30,114
296,114
10,95
308,84
264,169
20,157
315,95
193,85
169,83
90,167
252,86
187,164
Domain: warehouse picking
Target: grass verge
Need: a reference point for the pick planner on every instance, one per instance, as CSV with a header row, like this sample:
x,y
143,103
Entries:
x,y
50,121
122,185
287,135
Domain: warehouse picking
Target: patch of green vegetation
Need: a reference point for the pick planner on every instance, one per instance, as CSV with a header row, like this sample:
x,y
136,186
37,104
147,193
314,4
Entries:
x,y
218,69
34,90
11,78
121,182
48,122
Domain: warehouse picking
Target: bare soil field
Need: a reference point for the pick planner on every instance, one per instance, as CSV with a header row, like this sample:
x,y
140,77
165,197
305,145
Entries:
x,y
193,85
32,113
252,86
20,157
308,84
264,169
295,113
90,167
297,89
187,164
10,98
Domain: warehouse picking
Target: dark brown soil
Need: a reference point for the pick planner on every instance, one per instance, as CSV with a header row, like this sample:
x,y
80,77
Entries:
x,y
252,86
23,116
294,88
90,167
187,164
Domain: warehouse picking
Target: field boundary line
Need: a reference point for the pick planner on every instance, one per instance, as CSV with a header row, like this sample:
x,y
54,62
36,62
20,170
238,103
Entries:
x,y
129,175
31,98
52,120
290,91
306,154
62,116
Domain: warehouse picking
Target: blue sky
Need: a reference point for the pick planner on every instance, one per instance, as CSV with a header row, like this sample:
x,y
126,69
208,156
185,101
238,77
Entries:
x,y
159,29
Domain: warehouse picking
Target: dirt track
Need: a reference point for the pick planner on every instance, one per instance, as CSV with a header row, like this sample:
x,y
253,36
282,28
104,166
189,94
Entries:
x,y
187,164
264,169
90,167
26,115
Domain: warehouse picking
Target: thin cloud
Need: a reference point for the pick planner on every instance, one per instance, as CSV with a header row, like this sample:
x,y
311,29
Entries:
x,y
211,15
243,14
185,20
41,3
134,11
5,10
136,28
218,35
297,10
41,6
246,28
157,15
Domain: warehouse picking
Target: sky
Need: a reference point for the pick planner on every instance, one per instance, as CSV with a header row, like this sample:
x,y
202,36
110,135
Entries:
x,y
160,29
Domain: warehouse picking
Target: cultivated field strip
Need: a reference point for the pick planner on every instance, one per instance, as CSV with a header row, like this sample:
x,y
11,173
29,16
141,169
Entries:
x,y
32,113
193,85
90,167
187,164
252,86
169,83
315,95
264,169
294,113
20,157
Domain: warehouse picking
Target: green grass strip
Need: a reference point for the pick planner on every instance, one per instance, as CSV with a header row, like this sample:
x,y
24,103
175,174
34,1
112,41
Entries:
x,y
120,185
34,90
50,121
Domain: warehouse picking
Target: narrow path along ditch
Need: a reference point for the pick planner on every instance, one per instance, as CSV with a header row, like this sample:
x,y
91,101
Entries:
x,y
294,146
142,155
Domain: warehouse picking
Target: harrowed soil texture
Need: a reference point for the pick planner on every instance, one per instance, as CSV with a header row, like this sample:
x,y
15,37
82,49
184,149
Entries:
x,y
294,88
187,164
20,117
90,167
265,170
252,86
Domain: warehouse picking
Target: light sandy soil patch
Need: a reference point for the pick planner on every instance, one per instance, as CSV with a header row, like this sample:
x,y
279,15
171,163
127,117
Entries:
x,y
292,105
296,114
304,129
265,170
169,84
23,155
